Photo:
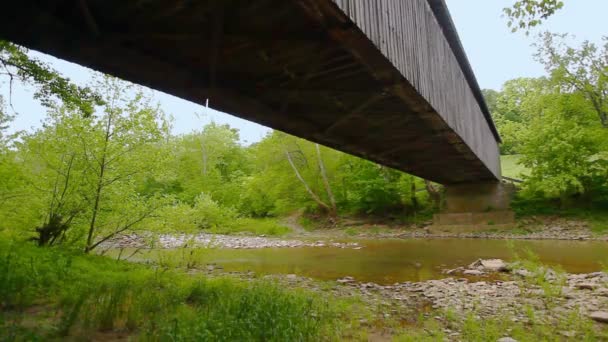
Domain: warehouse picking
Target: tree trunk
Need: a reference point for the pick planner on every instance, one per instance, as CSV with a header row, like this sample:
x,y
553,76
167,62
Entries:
x,y
204,157
99,189
598,105
434,193
330,195
413,197
308,189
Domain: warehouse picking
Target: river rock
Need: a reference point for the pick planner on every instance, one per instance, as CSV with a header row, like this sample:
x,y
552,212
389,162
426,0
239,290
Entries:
x,y
454,271
346,280
568,333
472,272
523,273
599,316
506,339
594,275
493,265
586,286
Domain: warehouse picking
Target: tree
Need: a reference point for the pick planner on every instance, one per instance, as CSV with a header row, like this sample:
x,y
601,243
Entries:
x,y
565,151
527,14
584,70
514,106
331,210
211,161
115,145
57,173
49,84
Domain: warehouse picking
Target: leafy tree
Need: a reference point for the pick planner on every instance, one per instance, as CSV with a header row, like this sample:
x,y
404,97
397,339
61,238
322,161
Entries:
x,y
527,14
57,174
50,86
565,150
583,70
213,162
116,147
514,106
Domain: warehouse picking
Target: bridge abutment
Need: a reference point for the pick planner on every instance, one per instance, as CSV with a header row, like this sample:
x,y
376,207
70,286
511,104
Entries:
x,y
475,206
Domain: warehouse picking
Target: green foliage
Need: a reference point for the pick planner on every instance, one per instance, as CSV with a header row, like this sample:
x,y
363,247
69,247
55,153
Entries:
x,y
97,295
472,327
560,148
49,84
208,213
518,101
257,226
583,69
557,128
527,14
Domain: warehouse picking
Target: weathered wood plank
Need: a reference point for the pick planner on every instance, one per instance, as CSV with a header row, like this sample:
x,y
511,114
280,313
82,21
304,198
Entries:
x,y
410,36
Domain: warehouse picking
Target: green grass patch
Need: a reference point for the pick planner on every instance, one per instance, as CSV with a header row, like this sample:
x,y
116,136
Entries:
x,y
55,294
597,219
470,327
266,226
309,223
511,167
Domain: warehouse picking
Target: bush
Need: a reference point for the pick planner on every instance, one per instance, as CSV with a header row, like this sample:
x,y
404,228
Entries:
x,y
209,214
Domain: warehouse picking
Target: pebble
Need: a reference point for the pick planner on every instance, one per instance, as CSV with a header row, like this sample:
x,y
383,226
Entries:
x,y
586,286
472,272
599,316
506,339
218,241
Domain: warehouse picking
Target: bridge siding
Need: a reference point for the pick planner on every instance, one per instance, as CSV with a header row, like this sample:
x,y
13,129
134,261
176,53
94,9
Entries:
x,y
409,35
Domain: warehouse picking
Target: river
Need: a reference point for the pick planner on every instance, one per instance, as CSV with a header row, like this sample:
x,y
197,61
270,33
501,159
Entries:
x,y
392,260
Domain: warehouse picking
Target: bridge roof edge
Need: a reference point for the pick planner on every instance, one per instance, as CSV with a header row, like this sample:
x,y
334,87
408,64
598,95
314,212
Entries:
x,y
442,13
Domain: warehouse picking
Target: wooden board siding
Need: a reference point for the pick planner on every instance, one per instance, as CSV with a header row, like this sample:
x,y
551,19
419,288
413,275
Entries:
x,y
408,33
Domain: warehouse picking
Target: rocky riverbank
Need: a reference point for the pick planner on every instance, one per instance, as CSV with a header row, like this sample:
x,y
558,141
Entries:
x,y
495,291
531,228
167,241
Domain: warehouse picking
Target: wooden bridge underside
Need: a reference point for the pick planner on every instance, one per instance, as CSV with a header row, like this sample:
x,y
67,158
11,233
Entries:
x,y
379,79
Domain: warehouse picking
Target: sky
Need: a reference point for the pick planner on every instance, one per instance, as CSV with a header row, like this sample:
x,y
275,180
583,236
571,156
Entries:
x,y
495,54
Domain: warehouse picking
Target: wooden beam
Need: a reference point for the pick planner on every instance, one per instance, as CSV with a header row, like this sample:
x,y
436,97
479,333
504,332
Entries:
x,y
354,112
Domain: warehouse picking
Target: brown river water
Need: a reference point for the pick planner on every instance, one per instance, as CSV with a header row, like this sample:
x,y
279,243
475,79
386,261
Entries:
x,y
390,261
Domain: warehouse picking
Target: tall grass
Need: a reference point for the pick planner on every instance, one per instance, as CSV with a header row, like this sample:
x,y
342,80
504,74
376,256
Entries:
x,y
82,295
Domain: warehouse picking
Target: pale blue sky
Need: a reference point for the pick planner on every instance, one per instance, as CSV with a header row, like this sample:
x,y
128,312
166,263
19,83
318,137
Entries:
x,y
496,56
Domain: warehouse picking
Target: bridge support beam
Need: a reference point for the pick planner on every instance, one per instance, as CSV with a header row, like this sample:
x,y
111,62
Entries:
x,y
476,206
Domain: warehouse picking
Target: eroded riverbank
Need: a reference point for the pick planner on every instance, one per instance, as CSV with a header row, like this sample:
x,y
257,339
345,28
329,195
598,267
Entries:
x,y
521,297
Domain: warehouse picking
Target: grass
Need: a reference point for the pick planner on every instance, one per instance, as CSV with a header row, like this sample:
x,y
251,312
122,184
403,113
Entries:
x,y
511,168
597,219
55,294
267,226
472,328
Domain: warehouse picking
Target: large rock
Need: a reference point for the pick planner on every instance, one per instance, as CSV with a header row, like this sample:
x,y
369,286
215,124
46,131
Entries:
x,y
493,265
599,316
